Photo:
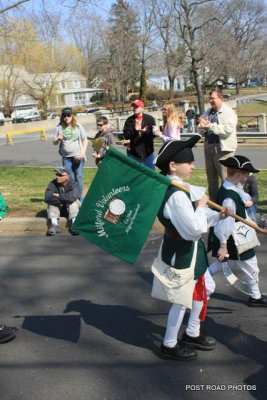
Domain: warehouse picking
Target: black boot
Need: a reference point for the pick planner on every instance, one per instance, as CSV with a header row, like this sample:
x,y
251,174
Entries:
x,y
261,302
201,342
177,353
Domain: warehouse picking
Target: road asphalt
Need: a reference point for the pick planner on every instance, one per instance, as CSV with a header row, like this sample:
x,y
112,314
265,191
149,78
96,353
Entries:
x,y
88,328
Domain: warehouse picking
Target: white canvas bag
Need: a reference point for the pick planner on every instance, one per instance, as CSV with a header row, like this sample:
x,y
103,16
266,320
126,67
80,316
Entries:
x,y
171,284
245,237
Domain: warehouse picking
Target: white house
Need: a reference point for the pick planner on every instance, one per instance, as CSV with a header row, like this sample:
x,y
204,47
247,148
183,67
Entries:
x,y
69,88
160,81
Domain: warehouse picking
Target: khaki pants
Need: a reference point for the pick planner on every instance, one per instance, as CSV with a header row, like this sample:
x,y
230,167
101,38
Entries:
x,y
215,171
72,209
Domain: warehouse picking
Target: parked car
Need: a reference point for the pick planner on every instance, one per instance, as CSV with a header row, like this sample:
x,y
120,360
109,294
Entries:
x,y
2,119
51,115
17,119
31,116
91,110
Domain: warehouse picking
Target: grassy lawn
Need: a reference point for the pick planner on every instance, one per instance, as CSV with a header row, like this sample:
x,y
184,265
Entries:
x,y
23,188
247,113
252,109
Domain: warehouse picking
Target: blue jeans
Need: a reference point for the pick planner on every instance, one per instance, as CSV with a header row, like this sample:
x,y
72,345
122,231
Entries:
x,y
76,171
148,161
252,212
190,125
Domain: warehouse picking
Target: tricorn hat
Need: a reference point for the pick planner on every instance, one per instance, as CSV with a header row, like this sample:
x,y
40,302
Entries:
x,y
239,162
179,151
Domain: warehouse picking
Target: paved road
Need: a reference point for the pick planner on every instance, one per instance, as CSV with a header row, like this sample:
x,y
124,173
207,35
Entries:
x,y
33,152
89,330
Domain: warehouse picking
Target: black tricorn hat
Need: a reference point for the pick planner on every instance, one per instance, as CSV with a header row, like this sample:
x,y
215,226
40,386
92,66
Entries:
x,y
239,162
179,151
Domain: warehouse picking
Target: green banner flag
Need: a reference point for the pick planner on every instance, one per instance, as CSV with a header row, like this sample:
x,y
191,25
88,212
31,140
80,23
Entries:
x,y
121,205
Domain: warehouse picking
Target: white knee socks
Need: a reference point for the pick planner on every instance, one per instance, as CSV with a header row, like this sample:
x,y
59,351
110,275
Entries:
x,y
175,319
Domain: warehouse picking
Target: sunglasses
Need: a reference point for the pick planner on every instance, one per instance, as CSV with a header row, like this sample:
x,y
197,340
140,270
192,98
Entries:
x,y
58,174
99,124
66,115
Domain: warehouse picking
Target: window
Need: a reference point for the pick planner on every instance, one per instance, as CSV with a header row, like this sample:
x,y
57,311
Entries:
x,y
76,84
80,97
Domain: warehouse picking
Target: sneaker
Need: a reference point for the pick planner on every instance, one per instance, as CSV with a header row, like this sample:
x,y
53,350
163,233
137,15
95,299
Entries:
x,y
261,302
202,342
177,353
7,334
53,230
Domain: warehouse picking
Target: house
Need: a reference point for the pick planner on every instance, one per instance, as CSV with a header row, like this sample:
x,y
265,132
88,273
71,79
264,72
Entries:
x,y
13,90
71,90
160,81
66,89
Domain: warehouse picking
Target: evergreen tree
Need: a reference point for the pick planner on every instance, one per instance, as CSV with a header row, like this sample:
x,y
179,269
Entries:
x,y
123,48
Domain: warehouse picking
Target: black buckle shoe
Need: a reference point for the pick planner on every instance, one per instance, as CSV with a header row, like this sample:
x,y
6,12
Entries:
x,y
261,302
177,353
6,333
202,342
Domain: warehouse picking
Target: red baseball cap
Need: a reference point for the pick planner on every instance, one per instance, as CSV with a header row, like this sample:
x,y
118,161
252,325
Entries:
x,y
138,103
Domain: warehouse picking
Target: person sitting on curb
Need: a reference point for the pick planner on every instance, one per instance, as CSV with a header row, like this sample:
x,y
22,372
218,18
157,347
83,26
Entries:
x,y
62,194
7,333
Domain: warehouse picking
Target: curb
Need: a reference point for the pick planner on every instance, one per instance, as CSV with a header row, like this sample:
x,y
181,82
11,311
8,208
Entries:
x,y
18,225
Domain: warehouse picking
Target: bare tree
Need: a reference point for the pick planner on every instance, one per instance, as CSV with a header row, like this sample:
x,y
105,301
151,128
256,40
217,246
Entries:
x,y
12,5
16,38
173,47
244,32
147,41
88,39
192,18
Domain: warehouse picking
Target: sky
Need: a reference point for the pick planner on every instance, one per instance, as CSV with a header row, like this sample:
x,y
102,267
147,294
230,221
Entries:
x,y
99,5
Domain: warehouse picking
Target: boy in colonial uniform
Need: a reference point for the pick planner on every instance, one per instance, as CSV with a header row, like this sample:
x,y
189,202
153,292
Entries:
x,y
180,275
231,194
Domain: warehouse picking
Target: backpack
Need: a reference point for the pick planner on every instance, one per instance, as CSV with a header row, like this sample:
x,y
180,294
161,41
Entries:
x,y
190,114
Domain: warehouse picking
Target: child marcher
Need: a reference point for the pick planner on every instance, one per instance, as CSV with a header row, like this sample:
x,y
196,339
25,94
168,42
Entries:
x,y
182,259
103,138
231,195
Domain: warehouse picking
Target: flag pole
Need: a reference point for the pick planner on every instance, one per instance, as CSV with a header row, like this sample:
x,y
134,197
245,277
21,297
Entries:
x,y
220,208
216,206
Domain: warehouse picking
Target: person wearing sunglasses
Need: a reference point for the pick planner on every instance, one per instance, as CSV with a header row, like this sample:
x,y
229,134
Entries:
x,y
104,137
62,198
73,142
